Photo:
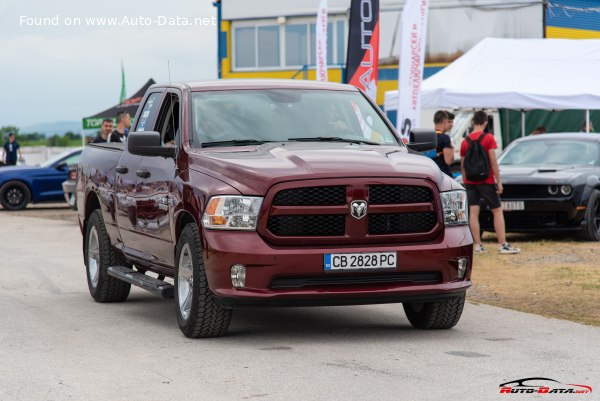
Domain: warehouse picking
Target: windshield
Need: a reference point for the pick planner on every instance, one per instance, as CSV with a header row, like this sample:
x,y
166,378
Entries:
x,y
552,151
273,115
53,160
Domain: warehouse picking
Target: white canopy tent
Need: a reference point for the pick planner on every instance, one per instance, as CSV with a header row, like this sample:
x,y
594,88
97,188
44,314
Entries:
x,y
522,74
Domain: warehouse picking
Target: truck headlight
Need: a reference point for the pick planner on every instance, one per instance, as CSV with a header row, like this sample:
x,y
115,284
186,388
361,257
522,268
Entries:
x,y
231,212
454,204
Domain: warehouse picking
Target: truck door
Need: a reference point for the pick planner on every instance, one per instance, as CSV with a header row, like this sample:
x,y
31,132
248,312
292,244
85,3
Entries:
x,y
157,187
126,184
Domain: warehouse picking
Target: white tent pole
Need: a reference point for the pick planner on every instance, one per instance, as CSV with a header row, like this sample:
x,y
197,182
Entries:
x,y
587,121
522,122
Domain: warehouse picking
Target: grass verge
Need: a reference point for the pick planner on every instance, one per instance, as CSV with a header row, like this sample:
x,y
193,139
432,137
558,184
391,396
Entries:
x,y
557,277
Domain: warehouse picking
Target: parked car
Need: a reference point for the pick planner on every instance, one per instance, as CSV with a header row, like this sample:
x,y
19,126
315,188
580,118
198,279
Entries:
x,y
272,193
21,185
551,183
69,187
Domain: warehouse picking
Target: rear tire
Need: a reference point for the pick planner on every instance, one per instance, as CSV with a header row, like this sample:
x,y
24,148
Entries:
x,y
198,313
591,229
99,254
437,315
14,195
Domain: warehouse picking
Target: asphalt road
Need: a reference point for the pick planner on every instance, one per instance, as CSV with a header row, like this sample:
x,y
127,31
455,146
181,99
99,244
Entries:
x,y
57,344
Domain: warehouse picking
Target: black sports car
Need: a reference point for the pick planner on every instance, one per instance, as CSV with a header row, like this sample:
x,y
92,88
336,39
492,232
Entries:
x,y
551,182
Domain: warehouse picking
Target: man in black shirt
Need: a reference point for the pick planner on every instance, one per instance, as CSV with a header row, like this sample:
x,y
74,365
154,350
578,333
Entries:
x,y
107,127
444,150
123,124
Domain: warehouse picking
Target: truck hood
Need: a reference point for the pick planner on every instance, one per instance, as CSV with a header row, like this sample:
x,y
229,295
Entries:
x,y
543,174
252,170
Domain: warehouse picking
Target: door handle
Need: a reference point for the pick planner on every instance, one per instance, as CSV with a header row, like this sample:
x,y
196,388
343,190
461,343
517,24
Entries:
x,y
142,173
121,169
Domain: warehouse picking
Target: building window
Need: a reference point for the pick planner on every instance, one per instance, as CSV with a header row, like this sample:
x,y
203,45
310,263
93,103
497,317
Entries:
x,y
266,45
341,36
296,45
245,47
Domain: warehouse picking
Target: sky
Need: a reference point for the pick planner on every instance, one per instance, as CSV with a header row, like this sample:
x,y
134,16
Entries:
x,y
63,71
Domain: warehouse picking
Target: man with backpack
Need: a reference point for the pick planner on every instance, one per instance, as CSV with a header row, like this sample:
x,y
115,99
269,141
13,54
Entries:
x,y
481,176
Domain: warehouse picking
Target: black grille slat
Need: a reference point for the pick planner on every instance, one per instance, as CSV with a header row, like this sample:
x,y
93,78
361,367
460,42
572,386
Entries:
x,y
311,196
307,225
401,223
525,191
300,282
399,194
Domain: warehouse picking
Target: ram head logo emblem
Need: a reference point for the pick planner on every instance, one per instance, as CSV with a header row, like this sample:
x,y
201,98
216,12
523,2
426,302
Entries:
x,y
358,209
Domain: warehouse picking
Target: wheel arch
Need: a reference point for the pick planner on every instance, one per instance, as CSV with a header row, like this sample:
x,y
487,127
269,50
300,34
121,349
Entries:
x,y
184,218
21,181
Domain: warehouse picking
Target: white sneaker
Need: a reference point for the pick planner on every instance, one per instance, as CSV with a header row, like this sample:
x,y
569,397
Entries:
x,y
508,249
479,249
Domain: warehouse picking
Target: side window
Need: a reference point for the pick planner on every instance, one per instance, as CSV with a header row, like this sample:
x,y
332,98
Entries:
x,y
72,159
168,120
149,112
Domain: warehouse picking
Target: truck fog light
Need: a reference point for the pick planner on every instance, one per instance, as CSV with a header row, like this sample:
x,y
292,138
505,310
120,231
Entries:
x,y
462,266
238,276
553,189
566,190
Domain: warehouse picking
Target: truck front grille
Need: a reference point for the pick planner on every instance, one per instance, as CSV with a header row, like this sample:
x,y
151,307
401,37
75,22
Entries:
x,y
311,196
401,223
307,225
402,210
398,194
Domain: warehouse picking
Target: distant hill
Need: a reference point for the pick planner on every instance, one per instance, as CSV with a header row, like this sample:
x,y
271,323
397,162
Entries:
x,y
49,129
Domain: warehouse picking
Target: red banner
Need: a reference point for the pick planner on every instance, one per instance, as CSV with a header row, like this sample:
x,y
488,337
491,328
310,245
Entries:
x,y
362,65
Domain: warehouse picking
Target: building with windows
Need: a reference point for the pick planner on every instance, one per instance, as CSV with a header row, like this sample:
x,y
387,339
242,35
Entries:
x,y
276,39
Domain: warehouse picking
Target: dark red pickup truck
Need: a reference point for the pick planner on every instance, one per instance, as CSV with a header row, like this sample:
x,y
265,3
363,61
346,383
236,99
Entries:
x,y
244,193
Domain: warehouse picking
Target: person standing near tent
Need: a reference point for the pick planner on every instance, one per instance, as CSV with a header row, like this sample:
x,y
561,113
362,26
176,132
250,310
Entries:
x,y
123,124
10,149
481,176
444,152
107,127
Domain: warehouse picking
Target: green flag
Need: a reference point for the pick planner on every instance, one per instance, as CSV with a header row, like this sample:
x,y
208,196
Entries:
x,y
123,91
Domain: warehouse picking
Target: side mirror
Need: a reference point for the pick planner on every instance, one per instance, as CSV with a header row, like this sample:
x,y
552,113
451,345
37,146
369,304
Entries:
x,y
422,140
147,143
60,166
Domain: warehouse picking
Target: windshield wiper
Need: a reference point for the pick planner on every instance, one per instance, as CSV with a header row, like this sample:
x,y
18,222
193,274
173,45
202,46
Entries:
x,y
233,142
333,139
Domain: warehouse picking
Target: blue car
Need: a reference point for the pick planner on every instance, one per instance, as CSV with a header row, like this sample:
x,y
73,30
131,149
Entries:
x,y
20,185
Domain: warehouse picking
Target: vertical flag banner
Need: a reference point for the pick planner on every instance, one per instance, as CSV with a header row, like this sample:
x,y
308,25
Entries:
x,y
412,36
321,36
362,65
123,91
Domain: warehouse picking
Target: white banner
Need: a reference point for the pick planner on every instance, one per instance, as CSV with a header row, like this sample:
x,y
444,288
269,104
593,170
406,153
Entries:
x,y
411,38
321,50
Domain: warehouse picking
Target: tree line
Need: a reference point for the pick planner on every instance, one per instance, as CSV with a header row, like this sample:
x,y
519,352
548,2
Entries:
x,y
37,139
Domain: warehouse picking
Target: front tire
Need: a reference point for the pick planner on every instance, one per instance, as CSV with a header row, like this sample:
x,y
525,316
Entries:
x,y
437,315
591,229
99,256
198,314
14,195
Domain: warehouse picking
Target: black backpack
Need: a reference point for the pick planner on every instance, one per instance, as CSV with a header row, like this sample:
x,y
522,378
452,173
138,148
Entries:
x,y
477,162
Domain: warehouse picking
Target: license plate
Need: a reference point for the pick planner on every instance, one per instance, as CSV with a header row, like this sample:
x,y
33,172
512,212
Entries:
x,y
513,205
360,261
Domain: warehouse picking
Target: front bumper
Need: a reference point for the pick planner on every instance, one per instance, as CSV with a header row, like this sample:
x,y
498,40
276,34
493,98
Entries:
x,y
266,263
538,215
